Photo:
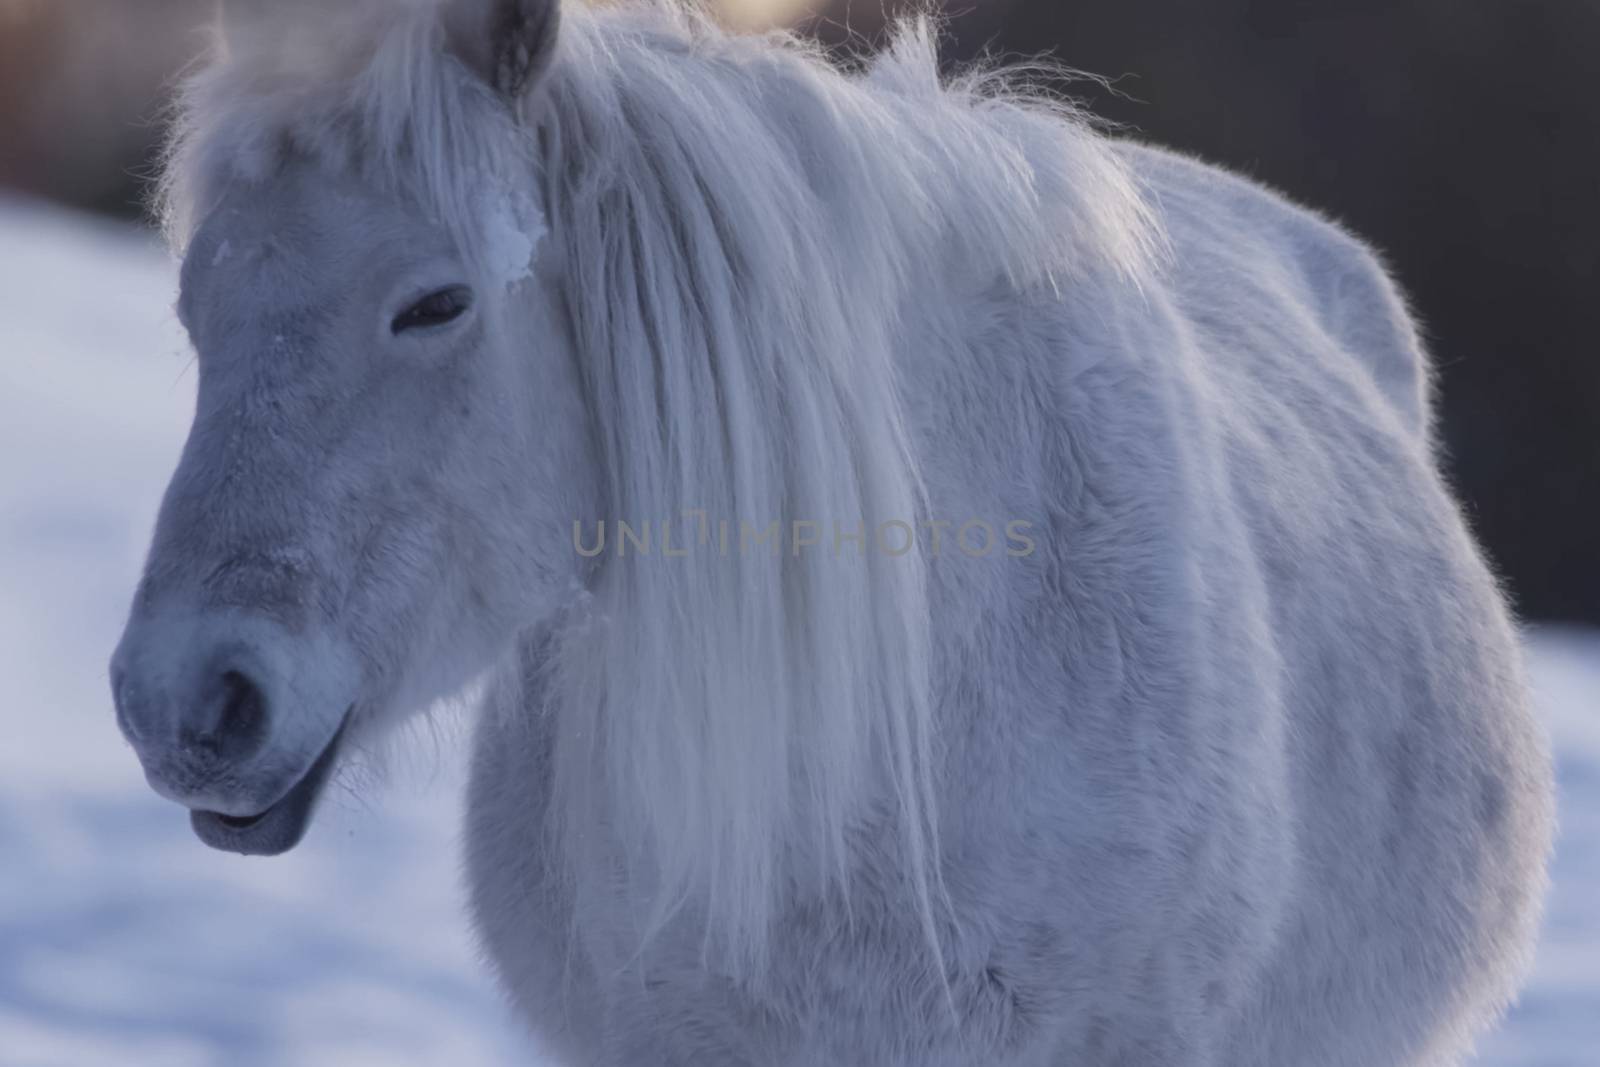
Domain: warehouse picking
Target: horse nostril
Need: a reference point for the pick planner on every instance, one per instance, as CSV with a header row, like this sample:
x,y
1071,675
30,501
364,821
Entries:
x,y
244,715
234,725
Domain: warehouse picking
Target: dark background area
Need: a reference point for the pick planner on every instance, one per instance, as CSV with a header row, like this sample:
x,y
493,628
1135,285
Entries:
x,y
1461,138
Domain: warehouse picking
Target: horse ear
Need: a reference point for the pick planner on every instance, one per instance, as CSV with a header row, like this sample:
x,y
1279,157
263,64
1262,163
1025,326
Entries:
x,y
509,42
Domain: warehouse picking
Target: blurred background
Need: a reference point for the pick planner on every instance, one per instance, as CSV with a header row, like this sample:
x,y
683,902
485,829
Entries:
x,y
1462,139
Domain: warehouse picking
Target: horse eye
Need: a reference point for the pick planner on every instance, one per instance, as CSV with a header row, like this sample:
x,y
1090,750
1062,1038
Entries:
x,y
435,309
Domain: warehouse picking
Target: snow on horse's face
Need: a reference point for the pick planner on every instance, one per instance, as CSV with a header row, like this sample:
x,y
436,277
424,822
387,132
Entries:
x,y
364,513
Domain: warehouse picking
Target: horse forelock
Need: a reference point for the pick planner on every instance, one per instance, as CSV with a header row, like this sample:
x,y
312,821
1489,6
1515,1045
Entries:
x,y
365,87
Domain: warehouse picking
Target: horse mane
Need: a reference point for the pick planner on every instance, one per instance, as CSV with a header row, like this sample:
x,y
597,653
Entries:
x,y
743,231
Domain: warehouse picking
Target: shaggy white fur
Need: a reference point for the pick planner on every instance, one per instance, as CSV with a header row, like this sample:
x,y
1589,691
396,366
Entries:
x,y
1232,766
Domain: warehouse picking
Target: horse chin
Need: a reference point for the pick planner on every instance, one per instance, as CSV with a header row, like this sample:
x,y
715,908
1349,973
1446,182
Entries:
x,y
279,828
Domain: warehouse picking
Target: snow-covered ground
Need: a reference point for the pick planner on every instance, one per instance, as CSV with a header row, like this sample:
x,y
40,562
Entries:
x,y
125,943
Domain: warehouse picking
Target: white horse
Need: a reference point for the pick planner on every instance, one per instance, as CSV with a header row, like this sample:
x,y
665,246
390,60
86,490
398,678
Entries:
x,y
1031,627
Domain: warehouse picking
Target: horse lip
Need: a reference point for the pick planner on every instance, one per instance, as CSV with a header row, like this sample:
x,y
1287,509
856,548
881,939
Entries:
x,y
238,822
279,828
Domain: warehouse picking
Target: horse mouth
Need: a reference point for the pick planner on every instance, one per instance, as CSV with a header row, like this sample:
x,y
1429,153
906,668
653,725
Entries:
x,y
279,828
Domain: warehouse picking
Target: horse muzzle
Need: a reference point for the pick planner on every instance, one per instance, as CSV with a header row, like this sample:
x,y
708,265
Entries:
x,y
235,718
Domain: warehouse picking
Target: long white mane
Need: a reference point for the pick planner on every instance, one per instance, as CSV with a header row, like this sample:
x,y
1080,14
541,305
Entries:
x,y
744,233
